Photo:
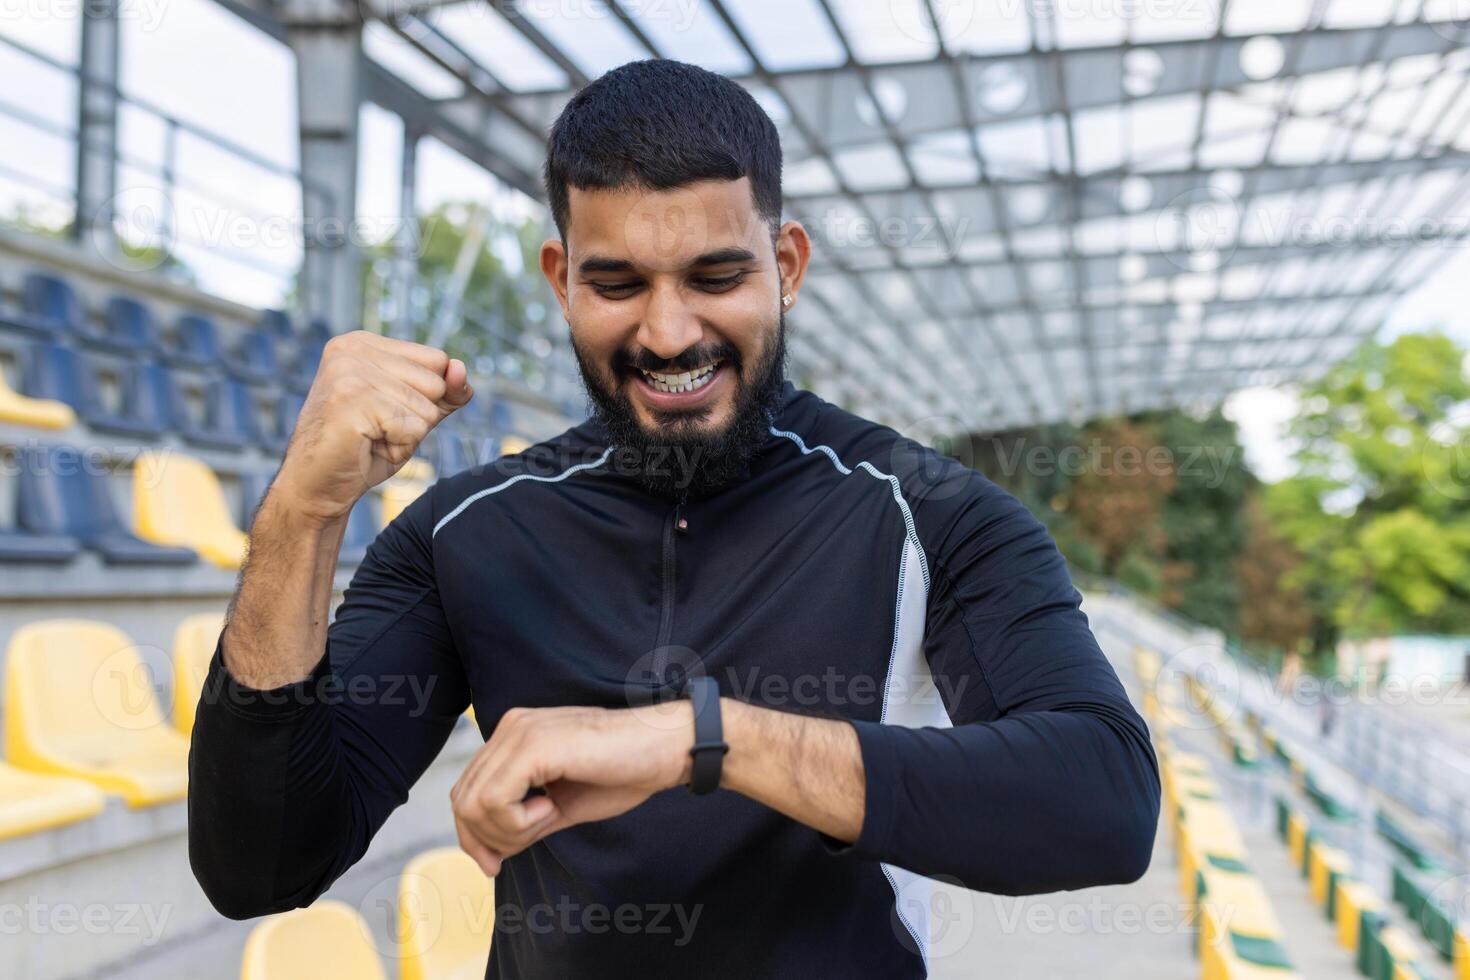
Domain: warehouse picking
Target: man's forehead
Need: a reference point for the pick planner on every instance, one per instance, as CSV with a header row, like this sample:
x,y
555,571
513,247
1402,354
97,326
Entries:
x,y
664,229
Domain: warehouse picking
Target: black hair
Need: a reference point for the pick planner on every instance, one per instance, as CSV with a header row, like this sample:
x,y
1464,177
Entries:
x,y
659,124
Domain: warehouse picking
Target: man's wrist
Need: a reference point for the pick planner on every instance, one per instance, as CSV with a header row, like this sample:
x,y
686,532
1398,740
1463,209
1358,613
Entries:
x,y
284,508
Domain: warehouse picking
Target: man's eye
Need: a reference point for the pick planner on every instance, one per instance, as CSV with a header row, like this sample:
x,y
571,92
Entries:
x,y
718,284
616,290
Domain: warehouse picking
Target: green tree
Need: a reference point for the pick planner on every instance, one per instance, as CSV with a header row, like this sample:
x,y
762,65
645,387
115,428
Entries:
x,y
1204,520
1380,508
500,327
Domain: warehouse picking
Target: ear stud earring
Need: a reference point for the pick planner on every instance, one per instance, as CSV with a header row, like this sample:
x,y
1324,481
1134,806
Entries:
x,y
786,299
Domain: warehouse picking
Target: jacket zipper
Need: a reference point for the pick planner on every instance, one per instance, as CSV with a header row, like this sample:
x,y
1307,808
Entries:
x,y
666,618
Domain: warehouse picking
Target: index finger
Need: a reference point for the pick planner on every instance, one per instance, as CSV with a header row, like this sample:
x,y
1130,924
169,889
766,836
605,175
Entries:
x,y
430,357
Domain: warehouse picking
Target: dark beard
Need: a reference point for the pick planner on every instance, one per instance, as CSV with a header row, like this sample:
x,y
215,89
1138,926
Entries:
x,y
680,460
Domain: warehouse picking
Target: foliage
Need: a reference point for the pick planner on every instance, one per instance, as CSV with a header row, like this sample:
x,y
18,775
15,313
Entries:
x,y
1380,508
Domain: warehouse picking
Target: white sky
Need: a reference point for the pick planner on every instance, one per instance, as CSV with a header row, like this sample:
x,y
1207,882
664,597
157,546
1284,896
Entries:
x,y
195,61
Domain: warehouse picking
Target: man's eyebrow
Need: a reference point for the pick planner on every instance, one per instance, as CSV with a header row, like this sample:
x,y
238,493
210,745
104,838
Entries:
x,y
601,263
720,256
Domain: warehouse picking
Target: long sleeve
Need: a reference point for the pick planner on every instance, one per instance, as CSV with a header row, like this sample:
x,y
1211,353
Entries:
x,y
287,787
1047,780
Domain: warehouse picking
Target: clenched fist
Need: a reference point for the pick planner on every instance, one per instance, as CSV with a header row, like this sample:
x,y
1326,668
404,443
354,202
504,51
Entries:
x,y
373,400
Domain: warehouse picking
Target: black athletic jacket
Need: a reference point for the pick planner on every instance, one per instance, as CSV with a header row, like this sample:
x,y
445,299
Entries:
x,y
852,573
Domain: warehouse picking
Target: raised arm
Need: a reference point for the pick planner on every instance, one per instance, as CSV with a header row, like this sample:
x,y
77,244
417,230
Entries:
x,y
306,736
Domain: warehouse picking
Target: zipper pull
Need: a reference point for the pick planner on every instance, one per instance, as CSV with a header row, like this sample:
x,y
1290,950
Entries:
x,y
681,523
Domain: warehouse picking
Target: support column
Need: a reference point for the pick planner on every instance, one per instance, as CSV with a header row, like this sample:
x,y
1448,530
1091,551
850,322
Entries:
x,y
96,174
326,37
406,245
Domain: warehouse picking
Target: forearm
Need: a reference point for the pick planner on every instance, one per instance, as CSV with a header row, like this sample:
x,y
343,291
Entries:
x,y
277,626
1036,802
810,769
1033,802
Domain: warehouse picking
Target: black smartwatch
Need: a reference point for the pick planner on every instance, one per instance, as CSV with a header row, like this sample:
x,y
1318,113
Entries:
x,y
709,736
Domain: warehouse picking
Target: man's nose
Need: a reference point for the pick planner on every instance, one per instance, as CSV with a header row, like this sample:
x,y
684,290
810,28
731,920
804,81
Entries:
x,y
670,326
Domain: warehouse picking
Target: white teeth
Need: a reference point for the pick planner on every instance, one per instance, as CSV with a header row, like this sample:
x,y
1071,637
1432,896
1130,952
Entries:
x,y
686,381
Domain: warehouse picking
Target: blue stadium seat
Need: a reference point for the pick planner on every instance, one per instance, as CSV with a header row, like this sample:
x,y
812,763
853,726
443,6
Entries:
x,y
150,400
196,343
62,493
229,417
275,438
252,491
500,417
255,360
316,333
303,369
277,323
51,305
21,320
450,455
128,328
362,527
20,546
52,371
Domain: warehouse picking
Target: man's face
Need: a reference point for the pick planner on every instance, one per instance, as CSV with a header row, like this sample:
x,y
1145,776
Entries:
x,y
675,302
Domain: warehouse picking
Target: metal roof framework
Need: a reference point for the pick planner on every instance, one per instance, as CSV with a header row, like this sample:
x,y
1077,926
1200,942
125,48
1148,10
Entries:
x,y
1026,211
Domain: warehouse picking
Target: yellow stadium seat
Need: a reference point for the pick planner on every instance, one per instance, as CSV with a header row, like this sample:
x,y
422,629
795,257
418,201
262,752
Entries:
x,y
1235,914
416,470
31,801
1206,832
177,500
194,642
38,413
1403,951
404,487
1322,860
78,702
1462,953
446,917
396,495
510,445
1296,838
329,939
1353,897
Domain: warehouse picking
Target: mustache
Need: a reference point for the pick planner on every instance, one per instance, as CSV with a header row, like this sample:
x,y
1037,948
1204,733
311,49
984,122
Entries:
x,y
688,360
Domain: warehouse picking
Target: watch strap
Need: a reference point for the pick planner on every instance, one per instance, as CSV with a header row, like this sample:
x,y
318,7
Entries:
x,y
709,738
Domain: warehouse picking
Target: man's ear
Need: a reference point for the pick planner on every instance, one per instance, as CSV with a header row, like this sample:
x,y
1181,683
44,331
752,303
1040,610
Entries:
x,y
554,266
793,253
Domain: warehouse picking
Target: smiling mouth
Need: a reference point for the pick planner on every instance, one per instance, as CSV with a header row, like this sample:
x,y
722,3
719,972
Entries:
x,y
680,383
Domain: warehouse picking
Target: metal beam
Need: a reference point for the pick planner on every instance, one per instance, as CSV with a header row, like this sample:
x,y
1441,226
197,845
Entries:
x,y
97,99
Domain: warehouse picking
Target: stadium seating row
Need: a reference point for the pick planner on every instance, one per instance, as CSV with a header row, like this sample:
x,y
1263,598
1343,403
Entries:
x,y
1384,951
59,386
445,924
81,720
1238,934
51,310
64,504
